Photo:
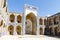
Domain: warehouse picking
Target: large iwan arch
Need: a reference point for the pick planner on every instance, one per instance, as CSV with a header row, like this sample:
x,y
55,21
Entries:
x,y
32,18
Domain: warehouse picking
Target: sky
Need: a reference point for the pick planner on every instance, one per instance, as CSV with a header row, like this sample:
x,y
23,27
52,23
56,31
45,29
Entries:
x,y
45,7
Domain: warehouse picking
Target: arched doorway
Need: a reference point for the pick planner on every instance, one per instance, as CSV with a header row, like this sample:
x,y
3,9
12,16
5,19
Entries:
x,y
32,18
11,29
28,27
41,21
41,31
12,18
51,29
19,18
18,30
55,30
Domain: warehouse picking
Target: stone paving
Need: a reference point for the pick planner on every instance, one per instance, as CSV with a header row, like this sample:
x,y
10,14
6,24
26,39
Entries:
x,y
28,37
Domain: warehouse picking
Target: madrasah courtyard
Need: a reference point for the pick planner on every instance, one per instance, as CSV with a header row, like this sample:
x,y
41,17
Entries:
x,y
28,22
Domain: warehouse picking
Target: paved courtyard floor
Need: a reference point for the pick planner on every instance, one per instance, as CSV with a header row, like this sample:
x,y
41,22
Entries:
x,y
28,37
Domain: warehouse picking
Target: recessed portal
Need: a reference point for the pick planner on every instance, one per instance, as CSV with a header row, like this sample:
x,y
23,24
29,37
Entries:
x,y
32,20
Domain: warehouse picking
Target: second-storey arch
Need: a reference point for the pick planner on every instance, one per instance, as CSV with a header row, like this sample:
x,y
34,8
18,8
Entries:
x,y
19,18
12,18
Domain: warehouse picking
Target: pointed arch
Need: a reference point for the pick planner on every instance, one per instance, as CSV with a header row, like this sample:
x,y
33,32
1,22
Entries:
x,y
11,29
50,22
18,29
45,21
55,20
41,21
56,30
19,18
32,17
12,18
41,31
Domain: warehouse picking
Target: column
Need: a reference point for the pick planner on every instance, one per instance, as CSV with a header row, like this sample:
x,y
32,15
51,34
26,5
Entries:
x,y
43,26
23,23
37,25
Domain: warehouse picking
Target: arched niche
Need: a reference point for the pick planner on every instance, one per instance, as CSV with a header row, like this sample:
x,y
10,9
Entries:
x,y
1,23
51,30
45,21
41,31
11,29
28,27
55,30
4,5
32,18
19,18
41,21
55,20
18,30
50,22
12,18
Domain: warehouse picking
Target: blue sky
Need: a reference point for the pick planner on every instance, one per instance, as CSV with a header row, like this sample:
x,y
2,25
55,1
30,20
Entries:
x,y
45,7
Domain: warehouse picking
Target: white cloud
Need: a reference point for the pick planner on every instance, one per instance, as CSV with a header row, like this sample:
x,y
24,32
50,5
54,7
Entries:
x,y
48,15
